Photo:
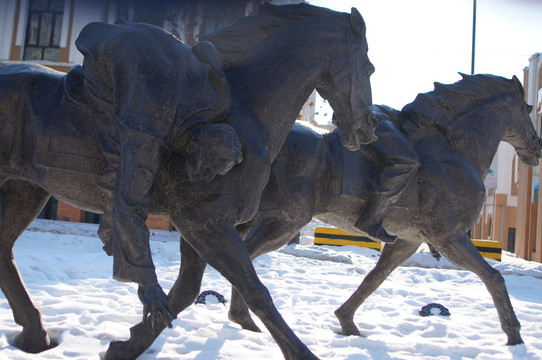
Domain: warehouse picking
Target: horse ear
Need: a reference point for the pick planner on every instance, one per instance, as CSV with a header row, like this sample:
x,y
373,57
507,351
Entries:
x,y
463,75
357,23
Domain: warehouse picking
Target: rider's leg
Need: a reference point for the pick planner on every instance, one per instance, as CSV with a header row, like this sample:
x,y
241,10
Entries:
x,y
107,135
140,159
399,165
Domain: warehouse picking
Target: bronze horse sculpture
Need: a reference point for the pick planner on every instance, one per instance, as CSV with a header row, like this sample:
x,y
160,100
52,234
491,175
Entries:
x,y
439,206
273,61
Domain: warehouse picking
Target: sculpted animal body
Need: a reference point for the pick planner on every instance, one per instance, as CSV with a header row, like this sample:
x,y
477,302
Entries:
x,y
311,174
285,52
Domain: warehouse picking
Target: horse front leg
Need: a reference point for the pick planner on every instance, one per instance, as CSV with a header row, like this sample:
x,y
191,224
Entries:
x,y
183,294
20,203
267,235
461,251
222,247
392,256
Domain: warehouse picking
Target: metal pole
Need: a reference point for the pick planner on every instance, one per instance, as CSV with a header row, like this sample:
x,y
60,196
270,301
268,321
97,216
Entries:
x,y
473,35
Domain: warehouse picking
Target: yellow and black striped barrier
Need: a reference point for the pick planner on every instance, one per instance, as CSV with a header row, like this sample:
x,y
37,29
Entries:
x,y
489,248
330,236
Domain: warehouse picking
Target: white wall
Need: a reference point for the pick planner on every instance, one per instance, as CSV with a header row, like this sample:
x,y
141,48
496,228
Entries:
x,y
84,12
506,153
505,158
7,20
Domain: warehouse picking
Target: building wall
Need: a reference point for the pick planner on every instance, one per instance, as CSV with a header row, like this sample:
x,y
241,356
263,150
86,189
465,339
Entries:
x,y
517,189
13,22
529,242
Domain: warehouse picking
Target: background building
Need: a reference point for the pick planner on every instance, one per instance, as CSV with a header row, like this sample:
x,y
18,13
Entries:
x,y
44,32
512,213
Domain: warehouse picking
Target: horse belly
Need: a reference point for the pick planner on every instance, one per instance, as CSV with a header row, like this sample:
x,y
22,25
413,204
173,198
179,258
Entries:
x,y
451,195
342,212
75,189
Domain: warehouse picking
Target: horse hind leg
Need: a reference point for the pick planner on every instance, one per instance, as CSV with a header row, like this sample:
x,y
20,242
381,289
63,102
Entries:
x,y
20,203
462,252
392,256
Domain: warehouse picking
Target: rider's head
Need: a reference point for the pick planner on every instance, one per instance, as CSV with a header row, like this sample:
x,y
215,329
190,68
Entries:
x,y
213,150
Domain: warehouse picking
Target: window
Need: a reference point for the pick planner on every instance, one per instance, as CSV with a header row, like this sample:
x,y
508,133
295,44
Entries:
x,y
43,30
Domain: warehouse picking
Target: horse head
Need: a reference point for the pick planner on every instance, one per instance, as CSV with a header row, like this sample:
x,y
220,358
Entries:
x,y
521,133
489,108
311,47
348,88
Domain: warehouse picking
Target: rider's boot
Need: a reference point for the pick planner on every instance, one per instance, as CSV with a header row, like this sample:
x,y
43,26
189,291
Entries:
x,y
371,219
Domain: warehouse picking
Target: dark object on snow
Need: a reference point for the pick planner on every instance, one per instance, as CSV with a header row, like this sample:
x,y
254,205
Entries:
x,y
313,176
273,61
434,252
201,298
434,309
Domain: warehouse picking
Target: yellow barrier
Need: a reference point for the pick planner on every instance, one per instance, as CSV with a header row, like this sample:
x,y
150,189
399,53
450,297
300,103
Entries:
x,y
489,248
328,236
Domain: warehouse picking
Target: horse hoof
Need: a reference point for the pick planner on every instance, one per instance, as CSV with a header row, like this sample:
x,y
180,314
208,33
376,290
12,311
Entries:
x,y
351,331
348,328
118,350
246,323
512,342
34,341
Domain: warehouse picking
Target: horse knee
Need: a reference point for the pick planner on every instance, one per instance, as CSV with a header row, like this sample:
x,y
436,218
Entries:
x,y
495,277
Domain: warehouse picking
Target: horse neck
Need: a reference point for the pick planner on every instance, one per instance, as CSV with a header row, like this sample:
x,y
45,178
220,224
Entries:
x,y
485,126
273,84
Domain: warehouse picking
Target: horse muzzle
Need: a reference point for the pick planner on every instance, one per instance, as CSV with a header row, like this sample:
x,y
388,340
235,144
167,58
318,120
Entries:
x,y
366,130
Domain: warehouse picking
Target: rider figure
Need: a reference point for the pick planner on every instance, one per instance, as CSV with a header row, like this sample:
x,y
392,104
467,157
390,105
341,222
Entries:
x,y
147,89
400,164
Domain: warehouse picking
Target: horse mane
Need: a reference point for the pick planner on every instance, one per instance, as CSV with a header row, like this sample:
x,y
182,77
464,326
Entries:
x,y
448,101
236,39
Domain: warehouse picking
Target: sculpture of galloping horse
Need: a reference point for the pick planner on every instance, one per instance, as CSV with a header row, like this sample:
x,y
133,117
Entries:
x,y
441,203
274,61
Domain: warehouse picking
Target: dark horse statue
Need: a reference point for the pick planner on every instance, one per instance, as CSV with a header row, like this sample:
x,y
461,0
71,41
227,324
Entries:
x,y
440,204
274,60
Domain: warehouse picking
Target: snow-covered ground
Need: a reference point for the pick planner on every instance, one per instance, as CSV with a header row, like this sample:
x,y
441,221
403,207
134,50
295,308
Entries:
x,y
69,277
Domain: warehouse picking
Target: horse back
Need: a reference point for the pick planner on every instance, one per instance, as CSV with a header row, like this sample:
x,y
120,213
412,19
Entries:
x,y
25,91
18,82
44,114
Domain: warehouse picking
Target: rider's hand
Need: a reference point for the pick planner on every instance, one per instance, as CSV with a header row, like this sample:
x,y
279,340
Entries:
x,y
155,305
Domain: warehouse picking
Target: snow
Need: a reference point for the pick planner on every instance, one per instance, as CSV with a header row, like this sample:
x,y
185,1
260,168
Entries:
x,y
69,277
